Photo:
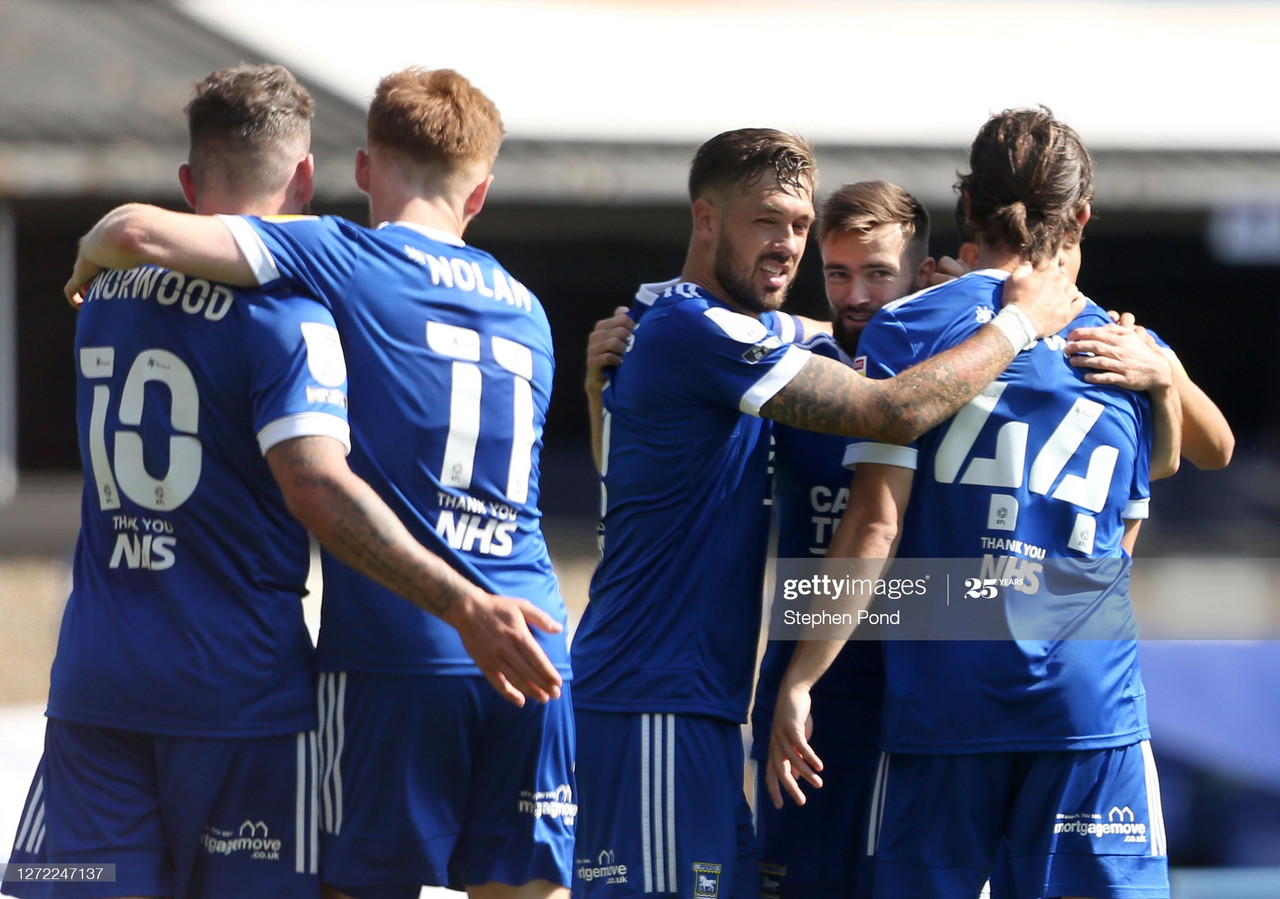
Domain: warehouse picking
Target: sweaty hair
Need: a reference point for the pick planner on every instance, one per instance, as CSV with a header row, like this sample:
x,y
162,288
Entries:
x,y
249,126
1029,177
435,117
741,158
866,206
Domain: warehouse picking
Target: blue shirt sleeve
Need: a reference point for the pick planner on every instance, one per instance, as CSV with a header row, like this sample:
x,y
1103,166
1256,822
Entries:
x,y
298,374
315,254
717,356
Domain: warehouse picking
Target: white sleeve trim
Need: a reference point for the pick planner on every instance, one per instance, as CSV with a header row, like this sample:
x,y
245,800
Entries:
x,y
647,293
788,328
304,424
254,250
775,379
1137,510
881,454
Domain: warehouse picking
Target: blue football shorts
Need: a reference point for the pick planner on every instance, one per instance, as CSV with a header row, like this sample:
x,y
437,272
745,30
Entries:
x,y
438,781
663,808
1074,823
177,816
819,848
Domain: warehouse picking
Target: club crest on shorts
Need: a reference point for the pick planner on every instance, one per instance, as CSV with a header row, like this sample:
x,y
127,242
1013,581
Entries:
x,y
706,881
771,877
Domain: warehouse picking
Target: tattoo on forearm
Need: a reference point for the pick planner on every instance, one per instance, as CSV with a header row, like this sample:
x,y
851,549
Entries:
x,y
898,410
934,390
810,402
368,537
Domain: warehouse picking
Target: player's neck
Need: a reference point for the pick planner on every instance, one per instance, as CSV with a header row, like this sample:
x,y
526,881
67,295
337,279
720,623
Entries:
x,y
998,258
214,203
431,212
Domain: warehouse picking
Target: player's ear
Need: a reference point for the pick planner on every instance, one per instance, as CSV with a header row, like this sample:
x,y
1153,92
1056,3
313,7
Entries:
x,y
1085,214
188,181
706,218
303,185
969,254
924,272
362,170
475,200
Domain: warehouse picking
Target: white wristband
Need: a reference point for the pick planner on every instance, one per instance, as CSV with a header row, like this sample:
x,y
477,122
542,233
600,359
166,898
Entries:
x,y
1016,326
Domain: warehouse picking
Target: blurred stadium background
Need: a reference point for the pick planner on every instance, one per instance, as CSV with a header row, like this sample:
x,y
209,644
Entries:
x,y
605,102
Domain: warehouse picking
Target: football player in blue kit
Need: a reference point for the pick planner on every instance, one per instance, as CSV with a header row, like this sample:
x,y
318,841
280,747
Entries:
x,y
874,239
430,777
1118,353
181,744
1039,742
664,656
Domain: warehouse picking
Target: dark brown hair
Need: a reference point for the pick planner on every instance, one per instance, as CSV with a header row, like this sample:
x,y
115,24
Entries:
x,y
739,159
1029,177
967,232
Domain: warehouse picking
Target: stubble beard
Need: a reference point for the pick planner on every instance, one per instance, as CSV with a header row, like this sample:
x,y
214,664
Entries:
x,y
846,338
741,290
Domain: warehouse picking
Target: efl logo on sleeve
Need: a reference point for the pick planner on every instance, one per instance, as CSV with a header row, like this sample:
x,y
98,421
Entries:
x,y
324,354
762,349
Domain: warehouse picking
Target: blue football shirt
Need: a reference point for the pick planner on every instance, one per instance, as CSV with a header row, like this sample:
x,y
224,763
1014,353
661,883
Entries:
x,y
185,615
674,616
810,493
1041,465
451,366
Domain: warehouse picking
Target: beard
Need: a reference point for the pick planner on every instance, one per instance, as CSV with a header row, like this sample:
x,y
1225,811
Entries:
x,y
846,337
742,290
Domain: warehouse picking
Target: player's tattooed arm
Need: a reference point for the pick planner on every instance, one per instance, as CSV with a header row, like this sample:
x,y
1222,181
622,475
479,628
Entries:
x,y
352,522
829,397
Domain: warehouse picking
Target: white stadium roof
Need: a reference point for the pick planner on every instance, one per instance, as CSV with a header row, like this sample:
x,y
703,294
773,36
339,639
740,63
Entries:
x,y
1159,74
605,101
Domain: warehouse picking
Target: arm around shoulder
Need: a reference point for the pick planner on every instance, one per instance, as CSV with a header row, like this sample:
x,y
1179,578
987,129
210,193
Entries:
x,y
828,396
1207,439
1127,356
1166,447
139,234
